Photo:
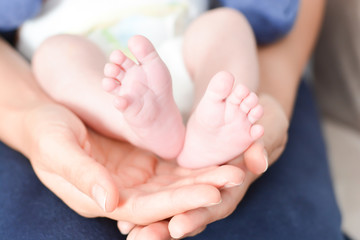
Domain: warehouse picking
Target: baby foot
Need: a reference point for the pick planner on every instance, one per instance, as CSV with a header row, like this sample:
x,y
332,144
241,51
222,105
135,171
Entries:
x,y
222,126
143,94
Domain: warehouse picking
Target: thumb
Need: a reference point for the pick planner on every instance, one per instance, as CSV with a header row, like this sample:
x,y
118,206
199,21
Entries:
x,y
86,174
255,158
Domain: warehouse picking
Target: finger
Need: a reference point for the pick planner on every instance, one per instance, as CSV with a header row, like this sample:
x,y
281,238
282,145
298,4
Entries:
x,y
134,232
153,231
125,227
155,206
255,158
193,221
87,175
196,232
189,223
223,176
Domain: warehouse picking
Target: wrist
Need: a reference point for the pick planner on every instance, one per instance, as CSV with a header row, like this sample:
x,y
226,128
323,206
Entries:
x,y
17,127
19,94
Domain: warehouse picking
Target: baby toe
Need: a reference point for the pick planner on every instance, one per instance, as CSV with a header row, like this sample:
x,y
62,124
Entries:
x,y
255,114
119,58
110,84
111,70
238,94
249,102
256,131
220,86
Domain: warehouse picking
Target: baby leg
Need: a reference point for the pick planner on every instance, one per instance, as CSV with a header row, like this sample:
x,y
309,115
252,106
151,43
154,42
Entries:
x,y
70,70
220,48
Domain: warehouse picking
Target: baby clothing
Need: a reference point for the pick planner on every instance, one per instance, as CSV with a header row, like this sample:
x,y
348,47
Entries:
x,y
270,20
110,25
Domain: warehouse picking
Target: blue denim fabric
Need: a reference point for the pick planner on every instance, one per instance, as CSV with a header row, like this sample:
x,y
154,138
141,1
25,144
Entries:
x,y
270,20
14,12
293,200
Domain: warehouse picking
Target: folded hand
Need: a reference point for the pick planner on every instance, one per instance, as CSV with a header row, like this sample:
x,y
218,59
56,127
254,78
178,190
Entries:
x,y
98,176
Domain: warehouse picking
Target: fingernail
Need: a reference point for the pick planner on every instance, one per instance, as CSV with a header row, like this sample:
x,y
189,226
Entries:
x,y
213,204
125,227
266,161
125,231
231,185
99,195
175,235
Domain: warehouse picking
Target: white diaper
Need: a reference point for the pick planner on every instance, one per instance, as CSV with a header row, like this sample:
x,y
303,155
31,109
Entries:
x,y
110,24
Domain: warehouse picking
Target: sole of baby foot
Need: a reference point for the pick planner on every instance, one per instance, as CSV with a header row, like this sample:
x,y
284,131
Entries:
x,y
223,125
143,94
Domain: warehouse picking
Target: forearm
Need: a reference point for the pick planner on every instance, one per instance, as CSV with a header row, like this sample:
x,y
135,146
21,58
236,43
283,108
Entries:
x,y
282,63
19,94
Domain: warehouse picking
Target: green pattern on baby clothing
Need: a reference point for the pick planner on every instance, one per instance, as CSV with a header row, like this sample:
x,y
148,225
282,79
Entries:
x,y
158,22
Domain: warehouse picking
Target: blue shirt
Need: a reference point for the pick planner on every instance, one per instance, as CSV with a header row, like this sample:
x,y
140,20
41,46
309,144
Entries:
x,y
14,12
269,19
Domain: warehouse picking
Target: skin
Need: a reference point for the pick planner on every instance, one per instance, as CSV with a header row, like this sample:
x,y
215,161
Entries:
x,y
281,66
140,107
70,159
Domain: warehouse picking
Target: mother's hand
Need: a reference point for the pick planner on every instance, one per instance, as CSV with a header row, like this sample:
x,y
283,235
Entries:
x,y
84,168
269,148
194,221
